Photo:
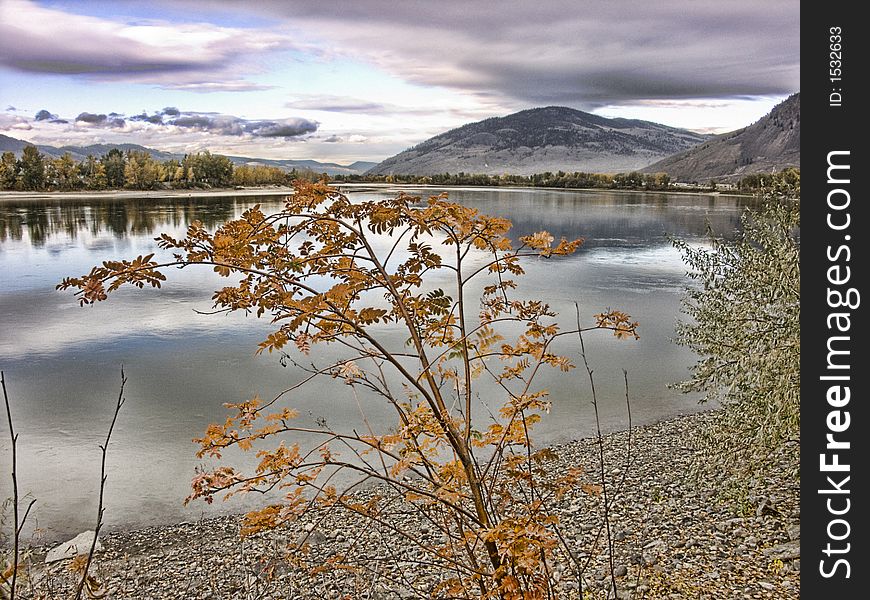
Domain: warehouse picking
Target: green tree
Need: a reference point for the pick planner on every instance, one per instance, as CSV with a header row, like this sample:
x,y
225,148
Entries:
x,y
330,271
93,173
141,171
114,164
745,325
65,173
8,171
31,169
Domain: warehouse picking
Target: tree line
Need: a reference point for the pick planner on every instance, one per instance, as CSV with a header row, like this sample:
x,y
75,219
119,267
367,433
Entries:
x,y
133,169
560,179
634,180
139,170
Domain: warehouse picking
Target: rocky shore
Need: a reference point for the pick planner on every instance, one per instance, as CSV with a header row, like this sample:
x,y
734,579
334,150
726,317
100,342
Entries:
x,y
670,539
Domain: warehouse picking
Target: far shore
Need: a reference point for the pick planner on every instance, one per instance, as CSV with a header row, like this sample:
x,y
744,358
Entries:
x,y
11,196
7,196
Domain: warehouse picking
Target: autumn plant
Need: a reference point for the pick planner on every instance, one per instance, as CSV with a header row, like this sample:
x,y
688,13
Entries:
x,y
745,326
329,271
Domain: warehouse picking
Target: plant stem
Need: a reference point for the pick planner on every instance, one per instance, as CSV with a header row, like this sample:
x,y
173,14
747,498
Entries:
x,y
103,476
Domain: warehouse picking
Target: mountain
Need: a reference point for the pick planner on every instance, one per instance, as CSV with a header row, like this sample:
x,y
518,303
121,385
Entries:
x,y
81,152
354,168
542,139
770,144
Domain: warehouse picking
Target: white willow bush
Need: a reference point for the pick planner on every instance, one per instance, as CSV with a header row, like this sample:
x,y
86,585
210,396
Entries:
x,y
745,326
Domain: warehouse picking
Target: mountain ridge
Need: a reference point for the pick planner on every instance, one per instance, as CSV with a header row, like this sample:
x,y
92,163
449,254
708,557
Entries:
x,y
769,145
550,138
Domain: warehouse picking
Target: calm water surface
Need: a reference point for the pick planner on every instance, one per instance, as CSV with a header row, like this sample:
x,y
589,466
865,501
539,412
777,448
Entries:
x,y
62,362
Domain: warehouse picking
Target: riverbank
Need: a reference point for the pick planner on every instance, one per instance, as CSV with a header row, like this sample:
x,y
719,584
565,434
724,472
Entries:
x,y
671,539
11,197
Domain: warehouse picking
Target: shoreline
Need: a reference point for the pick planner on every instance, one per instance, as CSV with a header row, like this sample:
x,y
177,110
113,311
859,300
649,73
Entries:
x,y
7,196
671,539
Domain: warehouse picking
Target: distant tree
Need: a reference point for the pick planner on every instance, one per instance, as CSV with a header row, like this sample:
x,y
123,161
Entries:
x,y
31,169
207,169
114,164
258,175
141,171
64,173
93,173
8,171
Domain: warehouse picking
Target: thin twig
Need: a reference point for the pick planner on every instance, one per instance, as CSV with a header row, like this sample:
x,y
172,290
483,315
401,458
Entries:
x,y
17,526
103,477
600,440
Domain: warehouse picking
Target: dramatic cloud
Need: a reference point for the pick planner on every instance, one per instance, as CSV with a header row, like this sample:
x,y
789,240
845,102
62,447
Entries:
x,y
171,119
382,75
285,128
101,120
156,119
44,115
229,125
586,55
40,39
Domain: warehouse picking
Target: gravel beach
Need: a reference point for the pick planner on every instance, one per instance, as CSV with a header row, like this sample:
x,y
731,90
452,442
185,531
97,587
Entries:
x,y
671,539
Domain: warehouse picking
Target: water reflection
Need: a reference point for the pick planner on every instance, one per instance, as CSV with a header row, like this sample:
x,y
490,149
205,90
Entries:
x,y
604,217
42,220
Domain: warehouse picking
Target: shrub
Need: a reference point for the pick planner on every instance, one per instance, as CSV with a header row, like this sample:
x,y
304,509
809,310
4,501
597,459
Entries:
x,y
745,325
330,271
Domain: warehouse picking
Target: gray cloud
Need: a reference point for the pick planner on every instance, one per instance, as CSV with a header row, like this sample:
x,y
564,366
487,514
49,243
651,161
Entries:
x,y
100,120
236,126
584,54
342,104
285,128
155,119
187,55
206,122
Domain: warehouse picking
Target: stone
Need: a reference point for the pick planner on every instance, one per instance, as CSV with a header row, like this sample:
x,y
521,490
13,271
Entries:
x,y
785,551
80,544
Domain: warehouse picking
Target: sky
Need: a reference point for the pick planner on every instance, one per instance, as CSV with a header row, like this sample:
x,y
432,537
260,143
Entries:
x,y
347,80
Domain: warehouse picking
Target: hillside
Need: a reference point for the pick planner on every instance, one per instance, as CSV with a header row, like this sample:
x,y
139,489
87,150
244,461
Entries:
x,y
79,153
770,144
542,139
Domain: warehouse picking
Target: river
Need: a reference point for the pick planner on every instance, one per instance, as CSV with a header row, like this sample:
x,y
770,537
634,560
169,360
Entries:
x,y
62,362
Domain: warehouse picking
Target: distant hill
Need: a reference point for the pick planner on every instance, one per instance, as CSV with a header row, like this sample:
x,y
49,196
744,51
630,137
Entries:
x,y
770,144
80,152
542,139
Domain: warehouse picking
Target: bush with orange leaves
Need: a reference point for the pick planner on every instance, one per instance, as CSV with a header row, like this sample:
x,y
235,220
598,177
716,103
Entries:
x,y
322,271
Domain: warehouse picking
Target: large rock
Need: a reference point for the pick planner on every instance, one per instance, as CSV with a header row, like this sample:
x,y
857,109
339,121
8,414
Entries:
x,y
80,544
